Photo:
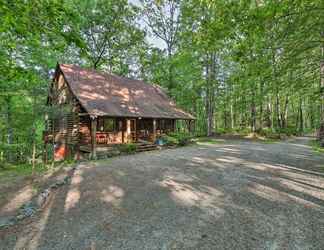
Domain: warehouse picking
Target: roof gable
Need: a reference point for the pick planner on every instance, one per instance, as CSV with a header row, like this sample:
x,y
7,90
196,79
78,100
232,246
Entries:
x,y
103,94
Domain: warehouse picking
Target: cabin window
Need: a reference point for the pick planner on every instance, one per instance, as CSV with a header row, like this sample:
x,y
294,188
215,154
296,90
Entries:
x,y
109,125
106,124
100,124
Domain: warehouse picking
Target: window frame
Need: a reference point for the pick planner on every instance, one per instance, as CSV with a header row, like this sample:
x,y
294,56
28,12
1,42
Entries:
x,y
101,124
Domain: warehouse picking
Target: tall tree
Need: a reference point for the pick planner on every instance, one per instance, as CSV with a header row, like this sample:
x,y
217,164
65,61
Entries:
x,y
163,20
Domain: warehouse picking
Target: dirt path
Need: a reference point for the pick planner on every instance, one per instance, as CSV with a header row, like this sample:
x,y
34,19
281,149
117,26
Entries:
x,y
234,195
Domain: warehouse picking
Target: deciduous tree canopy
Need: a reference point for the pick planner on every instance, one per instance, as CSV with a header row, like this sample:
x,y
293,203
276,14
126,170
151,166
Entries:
x,y
236,65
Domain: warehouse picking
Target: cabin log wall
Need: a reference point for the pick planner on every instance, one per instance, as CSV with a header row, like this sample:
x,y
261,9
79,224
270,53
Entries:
x,y
70,126
63,125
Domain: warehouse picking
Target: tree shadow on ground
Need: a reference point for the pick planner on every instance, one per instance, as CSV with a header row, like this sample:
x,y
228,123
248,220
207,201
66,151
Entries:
x,y
201,197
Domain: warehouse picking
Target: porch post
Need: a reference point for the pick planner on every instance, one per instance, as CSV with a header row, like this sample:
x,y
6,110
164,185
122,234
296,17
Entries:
x,y
154,130
128,130
93,138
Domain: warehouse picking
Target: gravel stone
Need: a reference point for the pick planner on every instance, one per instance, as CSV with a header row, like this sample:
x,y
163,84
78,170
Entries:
x,y
6,221
235,195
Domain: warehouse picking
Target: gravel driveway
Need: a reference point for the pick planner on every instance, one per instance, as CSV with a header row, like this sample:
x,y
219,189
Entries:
x,y
232,195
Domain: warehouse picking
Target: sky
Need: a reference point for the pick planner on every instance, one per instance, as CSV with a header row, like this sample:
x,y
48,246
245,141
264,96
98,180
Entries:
x,y
155,41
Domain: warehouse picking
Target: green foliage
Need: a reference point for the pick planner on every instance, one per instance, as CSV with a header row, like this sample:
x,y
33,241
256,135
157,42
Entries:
x,y
128,148
279,133
182,138
289,131
316,145
169,140
269,133
209,140
9,172
18,152
246,66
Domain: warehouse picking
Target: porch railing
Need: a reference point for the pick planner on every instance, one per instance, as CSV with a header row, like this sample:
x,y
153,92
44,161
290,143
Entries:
x,y
109,137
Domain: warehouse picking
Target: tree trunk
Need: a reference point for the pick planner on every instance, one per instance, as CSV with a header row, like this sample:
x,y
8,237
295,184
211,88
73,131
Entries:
x,y
253,113
268,115
261,105
321,130
232,117
301,117
210,93
278,125
34,154
284,114
9,126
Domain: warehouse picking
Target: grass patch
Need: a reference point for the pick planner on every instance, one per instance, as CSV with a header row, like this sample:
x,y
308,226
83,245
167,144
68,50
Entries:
x,y
269,141
11,172
209,140
317,147
180,139
21,169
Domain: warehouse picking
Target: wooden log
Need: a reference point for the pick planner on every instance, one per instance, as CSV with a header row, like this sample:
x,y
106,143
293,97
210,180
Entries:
x,y
128,130
93,138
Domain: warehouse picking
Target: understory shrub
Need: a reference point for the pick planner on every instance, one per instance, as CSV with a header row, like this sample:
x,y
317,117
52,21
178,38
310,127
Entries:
x,y
278,133
182,138
18,153
316,145
127,148
269,133
289,131
236,130
169,140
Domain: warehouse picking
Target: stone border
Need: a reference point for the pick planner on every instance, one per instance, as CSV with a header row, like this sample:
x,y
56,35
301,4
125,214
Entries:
x,y
36,204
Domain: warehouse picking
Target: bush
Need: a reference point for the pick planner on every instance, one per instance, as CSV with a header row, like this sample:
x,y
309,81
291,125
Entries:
x,y
278,133
269,133
127,148
289,131
182,138
17,153
316,145
237,130
169,140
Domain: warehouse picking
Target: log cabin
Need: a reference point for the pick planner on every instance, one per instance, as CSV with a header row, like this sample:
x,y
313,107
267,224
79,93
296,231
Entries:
x,y
91,109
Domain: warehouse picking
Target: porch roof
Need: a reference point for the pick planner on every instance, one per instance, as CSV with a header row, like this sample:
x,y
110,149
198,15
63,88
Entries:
x,y
103,94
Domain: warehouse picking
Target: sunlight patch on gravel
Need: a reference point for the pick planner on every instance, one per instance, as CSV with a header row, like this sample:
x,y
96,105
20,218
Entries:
x,y
73,195
72,199
268,193
112,194
275,195
188,195
303,188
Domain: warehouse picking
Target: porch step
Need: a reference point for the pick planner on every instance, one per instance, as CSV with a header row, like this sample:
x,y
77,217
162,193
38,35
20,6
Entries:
x,y
101,152
141,147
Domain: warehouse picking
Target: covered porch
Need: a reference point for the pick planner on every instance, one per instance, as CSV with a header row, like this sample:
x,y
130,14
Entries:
x,y
104,131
